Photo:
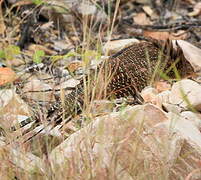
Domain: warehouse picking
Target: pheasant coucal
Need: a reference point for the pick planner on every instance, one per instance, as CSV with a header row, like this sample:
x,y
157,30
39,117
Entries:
x,y
124,74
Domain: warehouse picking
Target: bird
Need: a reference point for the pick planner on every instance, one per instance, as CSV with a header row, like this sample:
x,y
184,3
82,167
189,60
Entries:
x,y
123,74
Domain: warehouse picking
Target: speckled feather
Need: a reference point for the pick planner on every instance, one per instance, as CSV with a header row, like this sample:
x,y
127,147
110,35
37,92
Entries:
x,y
124,74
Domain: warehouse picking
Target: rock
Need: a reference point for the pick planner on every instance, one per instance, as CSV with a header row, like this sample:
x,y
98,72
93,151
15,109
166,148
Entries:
x,y
148,10
2,141
189,156
195,118
11,104
26,161
185,93
149,94
162,86
139,134
114,136
164,96
101,106
164,145
153,115
192,54
5,96
186,128
172,108
175,145
115,46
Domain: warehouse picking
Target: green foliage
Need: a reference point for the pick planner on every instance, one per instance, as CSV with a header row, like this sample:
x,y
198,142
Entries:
x,y
38,2
37,57
2,54
9,52
58,57
89,55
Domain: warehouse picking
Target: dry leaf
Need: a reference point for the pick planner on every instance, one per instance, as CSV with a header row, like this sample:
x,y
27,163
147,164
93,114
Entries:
x,y
22,3
166,35
35,47
148,10
196,10
141,19
73,66
190,1
47,25
7,75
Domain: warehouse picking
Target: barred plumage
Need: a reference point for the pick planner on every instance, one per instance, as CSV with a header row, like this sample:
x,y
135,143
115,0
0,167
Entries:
x,y
123,74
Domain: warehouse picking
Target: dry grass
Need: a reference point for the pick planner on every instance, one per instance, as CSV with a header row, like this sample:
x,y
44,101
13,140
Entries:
x,y
125,155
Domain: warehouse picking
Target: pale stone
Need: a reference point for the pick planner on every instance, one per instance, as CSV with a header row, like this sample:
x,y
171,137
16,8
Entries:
x,y
2,141
190,153
164,96
112,133
101,106
10,102
139,134
186,94
186,128
170,142
164,145
192,54
115,46
26,161
172,108
193,117
5,97
149,94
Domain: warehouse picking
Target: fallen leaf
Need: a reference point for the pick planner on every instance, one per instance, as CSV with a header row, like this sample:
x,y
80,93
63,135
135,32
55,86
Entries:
x,y
166,35
190,1
22,3
47,25
141,19
6,75
196,10
35,47
73,66
148,10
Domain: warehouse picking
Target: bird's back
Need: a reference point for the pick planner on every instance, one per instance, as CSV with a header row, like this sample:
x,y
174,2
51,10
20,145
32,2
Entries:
x,y
123,74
